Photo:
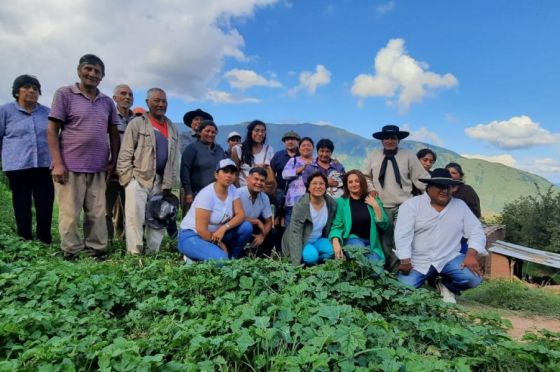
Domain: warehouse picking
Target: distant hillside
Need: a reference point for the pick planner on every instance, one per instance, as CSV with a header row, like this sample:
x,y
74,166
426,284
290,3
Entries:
x,y
496,184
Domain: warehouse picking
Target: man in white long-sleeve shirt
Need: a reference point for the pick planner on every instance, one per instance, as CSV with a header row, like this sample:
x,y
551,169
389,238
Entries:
x,y
428,238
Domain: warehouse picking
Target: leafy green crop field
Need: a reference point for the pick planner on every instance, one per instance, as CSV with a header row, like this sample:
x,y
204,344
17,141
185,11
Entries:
x,y
157,314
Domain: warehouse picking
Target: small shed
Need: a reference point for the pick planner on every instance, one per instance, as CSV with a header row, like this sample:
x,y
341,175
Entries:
x,y
493,233
506,259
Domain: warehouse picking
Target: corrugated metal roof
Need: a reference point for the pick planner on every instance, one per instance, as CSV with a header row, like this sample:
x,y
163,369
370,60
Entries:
x,y
526,254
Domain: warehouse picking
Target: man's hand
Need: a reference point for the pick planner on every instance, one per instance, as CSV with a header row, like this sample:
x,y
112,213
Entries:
x,y
187,199
471,263
258,239
405,266
59,174
109,171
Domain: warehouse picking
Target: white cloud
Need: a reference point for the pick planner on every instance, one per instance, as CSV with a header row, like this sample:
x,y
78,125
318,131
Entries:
x,y
423,135
546,165
398,74
324,122
515,133
244,79
504,159
386,7
219,96
310,81
178,45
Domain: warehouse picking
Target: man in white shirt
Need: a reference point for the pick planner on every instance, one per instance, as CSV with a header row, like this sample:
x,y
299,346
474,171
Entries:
x,y
258,212
428,238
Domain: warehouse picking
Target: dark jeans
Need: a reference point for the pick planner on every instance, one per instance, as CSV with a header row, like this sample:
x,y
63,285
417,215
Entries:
x,y
32,184
115,226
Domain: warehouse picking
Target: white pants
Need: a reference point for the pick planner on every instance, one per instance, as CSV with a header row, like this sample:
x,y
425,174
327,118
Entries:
x,y
136,198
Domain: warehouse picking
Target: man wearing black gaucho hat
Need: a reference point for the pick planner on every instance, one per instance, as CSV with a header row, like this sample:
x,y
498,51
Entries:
x,y
391,173
192,119
428,238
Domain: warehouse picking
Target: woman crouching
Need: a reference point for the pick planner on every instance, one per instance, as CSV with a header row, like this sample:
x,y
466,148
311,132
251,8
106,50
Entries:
x,y
214,228
358,216
305,239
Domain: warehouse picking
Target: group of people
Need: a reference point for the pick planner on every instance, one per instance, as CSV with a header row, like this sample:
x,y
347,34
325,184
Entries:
x,y
111,162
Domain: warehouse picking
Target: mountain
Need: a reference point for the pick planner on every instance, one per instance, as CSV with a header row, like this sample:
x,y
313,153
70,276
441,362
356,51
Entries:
x,y
496,184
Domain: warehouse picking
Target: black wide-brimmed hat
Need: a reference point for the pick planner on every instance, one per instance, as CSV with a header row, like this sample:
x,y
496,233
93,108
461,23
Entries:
x,y
390,130
441,176
189,116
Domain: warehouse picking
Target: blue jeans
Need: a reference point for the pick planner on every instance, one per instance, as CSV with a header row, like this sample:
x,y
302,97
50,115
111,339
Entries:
x,y
320,249
198,249
455,278
359,242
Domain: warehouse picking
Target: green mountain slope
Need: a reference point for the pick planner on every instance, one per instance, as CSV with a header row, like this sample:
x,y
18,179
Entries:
x,y
496,184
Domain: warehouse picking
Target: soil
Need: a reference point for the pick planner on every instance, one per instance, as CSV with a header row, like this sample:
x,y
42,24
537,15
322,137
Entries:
x,y
521,322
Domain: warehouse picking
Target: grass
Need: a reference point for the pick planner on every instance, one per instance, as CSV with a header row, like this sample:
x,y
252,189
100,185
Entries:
x,y
517,296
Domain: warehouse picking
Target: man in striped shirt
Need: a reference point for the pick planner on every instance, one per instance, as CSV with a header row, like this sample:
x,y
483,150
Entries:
x,y
80,118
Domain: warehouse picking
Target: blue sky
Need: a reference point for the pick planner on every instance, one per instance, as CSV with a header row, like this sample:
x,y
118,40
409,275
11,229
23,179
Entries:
x,y
480,77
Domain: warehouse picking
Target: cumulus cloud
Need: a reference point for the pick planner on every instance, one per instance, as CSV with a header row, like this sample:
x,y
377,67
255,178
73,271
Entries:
x,y
310,81
244,79
219,96
399,75
423,135
515,133
504,159
179,45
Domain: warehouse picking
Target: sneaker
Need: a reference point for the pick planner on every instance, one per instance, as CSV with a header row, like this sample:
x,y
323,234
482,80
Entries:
x,y
187,260
446,294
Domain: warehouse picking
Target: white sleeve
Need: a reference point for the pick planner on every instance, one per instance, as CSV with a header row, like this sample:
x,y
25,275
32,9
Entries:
x,y
268,156
234,192
404,229
473,231
205,199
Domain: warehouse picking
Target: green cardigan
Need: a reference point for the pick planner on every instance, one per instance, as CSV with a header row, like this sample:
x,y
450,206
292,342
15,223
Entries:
x,y
301,226
342,224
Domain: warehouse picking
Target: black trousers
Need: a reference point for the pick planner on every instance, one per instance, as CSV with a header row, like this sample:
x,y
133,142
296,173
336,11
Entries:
x,y
33,184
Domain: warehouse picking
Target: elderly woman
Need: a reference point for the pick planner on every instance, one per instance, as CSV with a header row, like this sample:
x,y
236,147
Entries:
x,y
199,161
358,216
214,228
330,167
306,237
253,152
26,159
293,172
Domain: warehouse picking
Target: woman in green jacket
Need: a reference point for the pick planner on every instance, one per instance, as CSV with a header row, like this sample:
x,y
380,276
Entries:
x,y
358,216
306,237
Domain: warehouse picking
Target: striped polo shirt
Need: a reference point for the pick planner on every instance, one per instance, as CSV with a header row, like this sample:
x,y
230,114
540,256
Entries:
x,y
85,124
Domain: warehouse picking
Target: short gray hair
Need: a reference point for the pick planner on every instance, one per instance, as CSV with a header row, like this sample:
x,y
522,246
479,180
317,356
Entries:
x,y
153,90
120,86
